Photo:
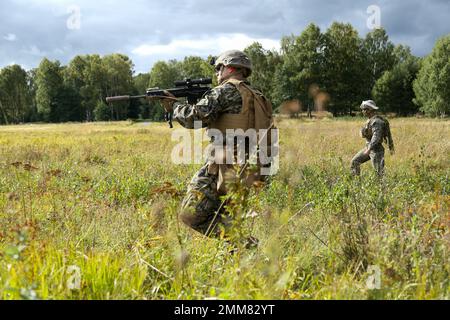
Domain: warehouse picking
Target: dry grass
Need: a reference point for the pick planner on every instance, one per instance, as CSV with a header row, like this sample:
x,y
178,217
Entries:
x,y
104,197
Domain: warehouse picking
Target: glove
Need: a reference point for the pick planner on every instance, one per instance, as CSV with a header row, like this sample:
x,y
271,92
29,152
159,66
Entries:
x,y
167,101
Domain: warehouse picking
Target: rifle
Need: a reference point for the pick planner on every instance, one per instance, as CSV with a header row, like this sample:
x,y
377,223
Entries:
x,y
191,89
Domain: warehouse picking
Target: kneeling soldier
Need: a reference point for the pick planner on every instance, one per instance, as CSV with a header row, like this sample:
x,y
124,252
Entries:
x,y
234,104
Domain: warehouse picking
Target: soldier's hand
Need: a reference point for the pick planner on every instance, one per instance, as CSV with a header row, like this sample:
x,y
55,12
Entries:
x,y
367,152
167,101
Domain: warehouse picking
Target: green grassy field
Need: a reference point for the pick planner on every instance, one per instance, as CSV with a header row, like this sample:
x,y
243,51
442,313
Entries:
x,y
89,211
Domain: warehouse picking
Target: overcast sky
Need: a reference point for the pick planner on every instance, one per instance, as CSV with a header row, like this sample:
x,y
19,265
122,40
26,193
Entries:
x,y
148,31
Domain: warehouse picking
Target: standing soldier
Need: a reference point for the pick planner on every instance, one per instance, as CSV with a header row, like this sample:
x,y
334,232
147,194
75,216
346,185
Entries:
x,y
375,131
234,104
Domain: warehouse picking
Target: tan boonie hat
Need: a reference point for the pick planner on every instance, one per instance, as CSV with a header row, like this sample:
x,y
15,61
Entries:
x,y
234,58
369,104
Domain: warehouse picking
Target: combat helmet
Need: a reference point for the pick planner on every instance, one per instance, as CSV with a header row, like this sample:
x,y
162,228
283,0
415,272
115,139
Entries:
x,y
234,58
369,104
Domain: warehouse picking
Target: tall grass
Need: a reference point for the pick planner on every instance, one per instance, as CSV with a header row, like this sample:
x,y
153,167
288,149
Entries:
x,y
104,198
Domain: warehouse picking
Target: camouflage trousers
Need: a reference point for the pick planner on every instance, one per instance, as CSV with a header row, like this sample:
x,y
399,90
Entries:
x,y
376,156
200,206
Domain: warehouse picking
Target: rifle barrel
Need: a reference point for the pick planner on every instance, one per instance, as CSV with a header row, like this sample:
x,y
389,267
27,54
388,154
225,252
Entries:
x,y
123,98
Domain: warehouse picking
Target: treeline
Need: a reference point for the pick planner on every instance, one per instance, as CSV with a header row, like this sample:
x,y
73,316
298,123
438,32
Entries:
x,y
338,69
335,70
77,92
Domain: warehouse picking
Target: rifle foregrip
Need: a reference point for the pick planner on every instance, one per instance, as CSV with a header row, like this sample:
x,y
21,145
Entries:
x,y
118,98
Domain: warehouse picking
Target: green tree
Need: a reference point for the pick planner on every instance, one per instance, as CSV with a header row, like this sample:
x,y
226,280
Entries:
x,y
265,64
432,87
163,75
33,114
14,95
343,68
195,67
75,79
56,100
87,76
393,91
93,78
103,112
302,66
141,82
49,83
68,105
379,57
119,79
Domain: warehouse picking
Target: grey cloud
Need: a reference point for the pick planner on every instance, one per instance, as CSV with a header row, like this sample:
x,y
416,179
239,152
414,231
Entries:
x,y
117,26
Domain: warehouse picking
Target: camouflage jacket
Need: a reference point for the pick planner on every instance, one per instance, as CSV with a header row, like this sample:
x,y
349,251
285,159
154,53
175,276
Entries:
x,y
222,99
375,131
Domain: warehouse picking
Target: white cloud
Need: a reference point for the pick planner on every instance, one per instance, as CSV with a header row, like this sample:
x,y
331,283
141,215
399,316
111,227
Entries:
x,y
10,37
205,46
34,51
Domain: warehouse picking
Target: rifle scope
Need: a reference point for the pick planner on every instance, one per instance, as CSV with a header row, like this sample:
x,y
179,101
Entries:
x,y
193,82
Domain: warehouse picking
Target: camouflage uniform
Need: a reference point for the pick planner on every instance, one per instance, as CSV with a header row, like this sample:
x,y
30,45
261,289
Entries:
x,y
202,201
374,131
